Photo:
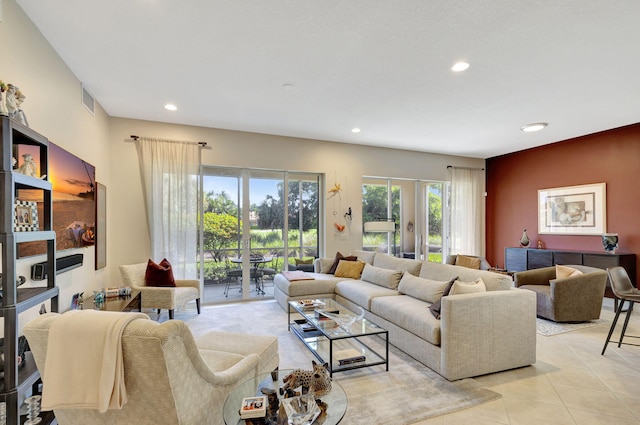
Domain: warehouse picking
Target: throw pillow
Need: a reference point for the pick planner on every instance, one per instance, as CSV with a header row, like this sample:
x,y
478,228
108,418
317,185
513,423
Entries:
x,y
423,289
301,261
349,268
383,277
339,257
469,262
437,306
564,271
159,274
468,288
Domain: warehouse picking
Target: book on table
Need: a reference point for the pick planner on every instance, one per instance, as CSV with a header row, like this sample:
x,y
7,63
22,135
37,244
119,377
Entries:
x,y
348,356
253,407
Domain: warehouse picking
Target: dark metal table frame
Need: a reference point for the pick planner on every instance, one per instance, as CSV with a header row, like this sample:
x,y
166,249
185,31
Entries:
x,y
321,340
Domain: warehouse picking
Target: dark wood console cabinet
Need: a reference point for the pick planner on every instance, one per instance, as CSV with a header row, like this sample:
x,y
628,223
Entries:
x,y
519,259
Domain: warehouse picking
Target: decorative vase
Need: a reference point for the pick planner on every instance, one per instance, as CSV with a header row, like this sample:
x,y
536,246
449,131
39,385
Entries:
x,y
610,242
524,240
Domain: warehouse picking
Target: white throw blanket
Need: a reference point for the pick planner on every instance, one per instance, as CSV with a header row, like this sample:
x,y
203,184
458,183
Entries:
x,y
84,366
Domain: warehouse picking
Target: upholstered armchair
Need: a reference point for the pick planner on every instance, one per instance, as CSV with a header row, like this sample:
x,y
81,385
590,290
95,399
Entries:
x,y
567,299
170,377
157,297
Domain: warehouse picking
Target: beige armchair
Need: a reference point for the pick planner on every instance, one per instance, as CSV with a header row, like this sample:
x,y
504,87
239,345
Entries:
x,y
569,299
160,297
170,377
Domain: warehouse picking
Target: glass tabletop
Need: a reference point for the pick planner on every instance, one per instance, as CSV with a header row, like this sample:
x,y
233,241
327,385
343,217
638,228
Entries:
x,y
339,321
333,405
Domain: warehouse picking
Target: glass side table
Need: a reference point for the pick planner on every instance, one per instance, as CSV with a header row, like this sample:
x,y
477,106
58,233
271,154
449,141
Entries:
x,y
333,405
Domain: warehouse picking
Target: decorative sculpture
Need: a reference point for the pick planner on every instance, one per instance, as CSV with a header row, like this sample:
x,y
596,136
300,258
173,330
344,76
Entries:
x,y
28,167
316,381
524,240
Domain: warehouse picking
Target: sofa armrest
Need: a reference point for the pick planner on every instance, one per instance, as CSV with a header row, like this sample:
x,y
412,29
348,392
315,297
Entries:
x,y
581,288
487,332
534,277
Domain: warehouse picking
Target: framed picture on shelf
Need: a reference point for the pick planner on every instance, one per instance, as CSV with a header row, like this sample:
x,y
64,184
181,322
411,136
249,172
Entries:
x,y
26,216
573,210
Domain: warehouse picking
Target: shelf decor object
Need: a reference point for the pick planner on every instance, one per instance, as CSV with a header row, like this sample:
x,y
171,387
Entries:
x,y
610,242
573,210
25,218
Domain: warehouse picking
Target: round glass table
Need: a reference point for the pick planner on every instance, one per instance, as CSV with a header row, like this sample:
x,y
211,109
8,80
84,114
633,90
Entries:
x,y
333,405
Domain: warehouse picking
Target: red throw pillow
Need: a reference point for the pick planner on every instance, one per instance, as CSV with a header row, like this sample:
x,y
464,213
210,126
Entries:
x,y
339,257
159,274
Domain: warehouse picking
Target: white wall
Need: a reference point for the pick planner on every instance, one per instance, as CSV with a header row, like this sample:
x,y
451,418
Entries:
x,y
53,108
341,163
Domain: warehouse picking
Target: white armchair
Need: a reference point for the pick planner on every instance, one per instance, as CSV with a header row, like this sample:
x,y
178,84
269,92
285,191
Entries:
x,y
160,297
170,378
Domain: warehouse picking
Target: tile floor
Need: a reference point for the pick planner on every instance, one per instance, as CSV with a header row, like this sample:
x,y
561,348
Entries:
x,y
570,384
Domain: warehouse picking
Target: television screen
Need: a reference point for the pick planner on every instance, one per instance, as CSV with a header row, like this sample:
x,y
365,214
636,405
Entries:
x,y
74,212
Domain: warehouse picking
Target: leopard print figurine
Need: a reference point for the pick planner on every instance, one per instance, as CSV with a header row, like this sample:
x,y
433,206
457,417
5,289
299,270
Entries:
x,y
316,381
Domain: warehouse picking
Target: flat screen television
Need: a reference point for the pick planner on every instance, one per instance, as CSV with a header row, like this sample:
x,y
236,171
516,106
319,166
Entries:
x,y
74,208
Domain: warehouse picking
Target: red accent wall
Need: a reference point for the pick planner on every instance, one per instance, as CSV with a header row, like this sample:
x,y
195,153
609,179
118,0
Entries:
x,y
513,181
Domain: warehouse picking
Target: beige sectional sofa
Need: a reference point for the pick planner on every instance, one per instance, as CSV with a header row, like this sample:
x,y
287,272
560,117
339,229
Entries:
x,y
477,333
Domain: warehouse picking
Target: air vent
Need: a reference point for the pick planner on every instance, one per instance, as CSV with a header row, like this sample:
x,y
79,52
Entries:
x,y
88,101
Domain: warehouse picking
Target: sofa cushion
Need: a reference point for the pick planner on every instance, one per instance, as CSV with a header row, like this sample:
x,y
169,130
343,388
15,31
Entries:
x,y
469,262
408,313
436,307
336,261
350,269
423,289
361,292
383,277
321,284
390,262
460,287
438,271
366,256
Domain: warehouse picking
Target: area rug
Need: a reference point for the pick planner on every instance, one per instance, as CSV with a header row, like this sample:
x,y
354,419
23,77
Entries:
x,y
548,327
410,392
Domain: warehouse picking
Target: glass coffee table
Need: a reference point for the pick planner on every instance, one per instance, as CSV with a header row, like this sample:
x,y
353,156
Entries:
x,y
345,347
333,405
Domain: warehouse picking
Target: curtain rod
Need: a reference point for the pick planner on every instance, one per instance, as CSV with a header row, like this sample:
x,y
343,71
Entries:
x,y
465,168
203,144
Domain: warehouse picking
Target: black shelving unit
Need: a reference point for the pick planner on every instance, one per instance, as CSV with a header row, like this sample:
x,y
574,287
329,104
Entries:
x,y
17,382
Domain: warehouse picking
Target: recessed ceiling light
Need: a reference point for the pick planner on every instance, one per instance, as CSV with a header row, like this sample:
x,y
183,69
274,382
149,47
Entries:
x,y
355,130
536,126
460,66
170,107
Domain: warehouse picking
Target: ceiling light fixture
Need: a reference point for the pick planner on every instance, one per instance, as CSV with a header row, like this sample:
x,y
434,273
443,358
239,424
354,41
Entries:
x,y
170,107
536,126
355,130
460,66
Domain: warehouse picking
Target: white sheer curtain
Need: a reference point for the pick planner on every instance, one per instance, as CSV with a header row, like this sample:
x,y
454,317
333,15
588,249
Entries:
x,y
169,172
467,211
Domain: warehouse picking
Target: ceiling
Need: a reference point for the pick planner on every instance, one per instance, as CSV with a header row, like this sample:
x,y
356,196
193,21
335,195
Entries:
x,y
316,69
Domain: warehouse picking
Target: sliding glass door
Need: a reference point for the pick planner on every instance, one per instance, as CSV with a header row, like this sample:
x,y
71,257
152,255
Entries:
x,y
244,222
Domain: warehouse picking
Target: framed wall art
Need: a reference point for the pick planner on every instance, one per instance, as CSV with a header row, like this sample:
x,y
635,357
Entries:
x,y
573,210
101,226
25,218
